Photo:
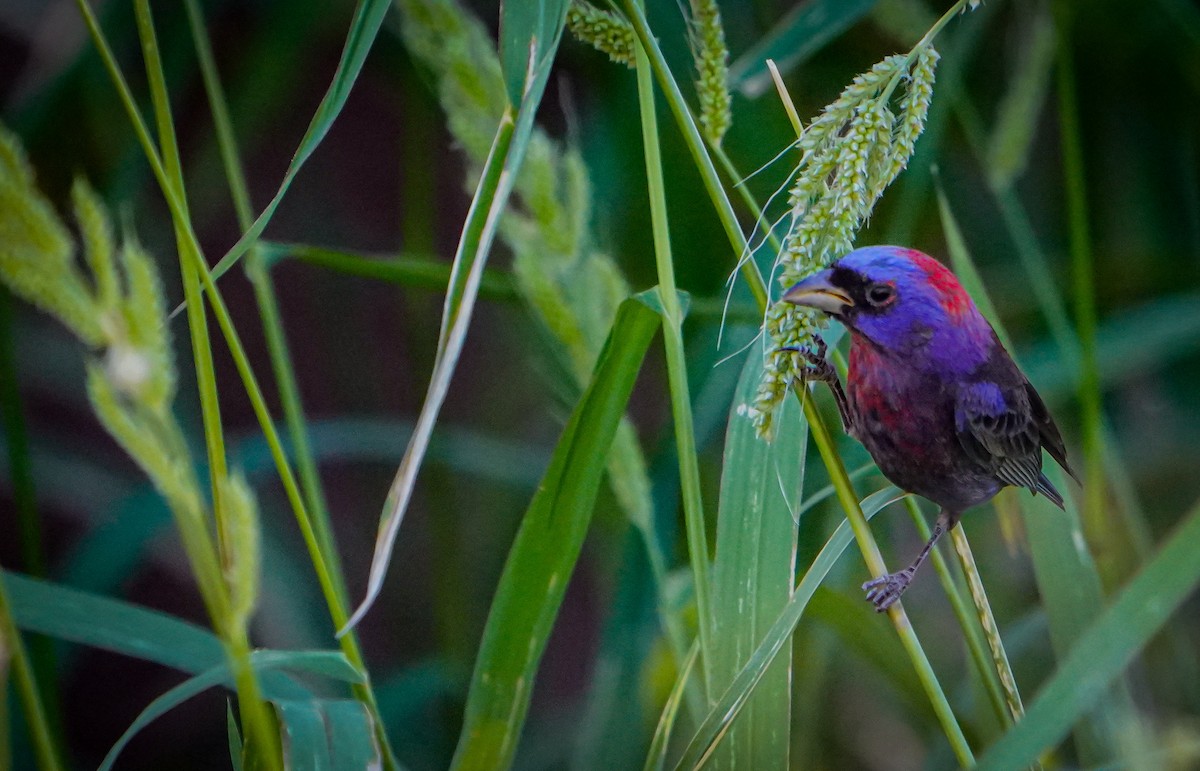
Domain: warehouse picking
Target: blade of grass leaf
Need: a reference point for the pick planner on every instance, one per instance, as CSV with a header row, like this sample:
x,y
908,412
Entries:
x,y
528,38
753,570
734,698
368,16
351,734
1103,652
418,271
318,662
303,729
100,622
797,36
657,754
483,218
545,549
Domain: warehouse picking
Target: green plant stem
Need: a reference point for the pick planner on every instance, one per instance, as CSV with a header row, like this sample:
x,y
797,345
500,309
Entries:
x,y
268,302
222,315
261,737
681,404
1012,696
206,381
876,566
12,652
281,361
976,646
1095,509
696,145
336,608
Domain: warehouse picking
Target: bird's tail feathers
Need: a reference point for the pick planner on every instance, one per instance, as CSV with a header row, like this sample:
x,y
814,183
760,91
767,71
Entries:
x,y
1046,488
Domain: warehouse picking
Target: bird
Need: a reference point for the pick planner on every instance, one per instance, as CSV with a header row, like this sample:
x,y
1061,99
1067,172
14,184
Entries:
x,y
931,392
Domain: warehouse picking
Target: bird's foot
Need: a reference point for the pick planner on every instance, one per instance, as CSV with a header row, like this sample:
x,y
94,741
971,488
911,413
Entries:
x,y
885,590
817,367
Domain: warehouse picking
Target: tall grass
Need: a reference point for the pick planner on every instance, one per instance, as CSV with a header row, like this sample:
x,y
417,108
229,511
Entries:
x,y
698,495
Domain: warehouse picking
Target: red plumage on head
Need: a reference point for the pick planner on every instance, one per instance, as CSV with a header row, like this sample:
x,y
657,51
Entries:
x,y
954,299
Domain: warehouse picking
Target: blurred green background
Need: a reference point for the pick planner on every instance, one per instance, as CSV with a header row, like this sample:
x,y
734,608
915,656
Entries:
x,y
389,179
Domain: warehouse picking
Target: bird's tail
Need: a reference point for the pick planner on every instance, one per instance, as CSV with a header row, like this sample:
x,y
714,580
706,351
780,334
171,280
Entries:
x,y
1047,489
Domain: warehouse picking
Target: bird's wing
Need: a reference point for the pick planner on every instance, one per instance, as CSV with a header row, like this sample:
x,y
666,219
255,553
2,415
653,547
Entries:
x,y
997,429
1051,439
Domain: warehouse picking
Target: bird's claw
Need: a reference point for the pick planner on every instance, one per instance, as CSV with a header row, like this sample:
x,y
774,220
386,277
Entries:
x,y
883,592
817,367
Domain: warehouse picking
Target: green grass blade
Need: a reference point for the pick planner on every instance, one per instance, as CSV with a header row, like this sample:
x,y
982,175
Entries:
x,y
368,16
415,271
327,735
797,36
483,219
100,622
1103,652
753,570
657,754
727,708
529,33
545,550
305,745
351,734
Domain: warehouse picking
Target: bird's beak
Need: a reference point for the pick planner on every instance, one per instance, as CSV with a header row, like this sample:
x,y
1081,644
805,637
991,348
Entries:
x,y
817,292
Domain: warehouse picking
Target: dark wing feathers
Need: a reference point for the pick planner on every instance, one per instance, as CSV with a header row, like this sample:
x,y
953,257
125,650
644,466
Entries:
x,y
1051,439
1003,429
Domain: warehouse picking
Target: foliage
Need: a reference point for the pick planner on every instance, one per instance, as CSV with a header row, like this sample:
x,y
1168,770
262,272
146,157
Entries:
x,y
615,553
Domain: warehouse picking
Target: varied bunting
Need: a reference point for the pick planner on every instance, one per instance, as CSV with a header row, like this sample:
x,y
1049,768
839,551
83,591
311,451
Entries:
x,y
931,392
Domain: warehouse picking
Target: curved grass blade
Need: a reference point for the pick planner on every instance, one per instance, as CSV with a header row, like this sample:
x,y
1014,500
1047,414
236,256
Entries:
x,y
324,663
657,755
727,708
797,36
327,735
529,33
368,16
546,547
1103,652
100,622
753,570
483,219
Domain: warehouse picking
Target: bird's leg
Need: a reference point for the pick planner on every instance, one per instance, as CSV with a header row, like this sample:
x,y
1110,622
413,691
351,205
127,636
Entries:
x,y
885,590
822,370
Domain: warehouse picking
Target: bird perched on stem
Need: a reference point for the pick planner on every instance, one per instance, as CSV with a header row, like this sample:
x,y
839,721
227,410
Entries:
x,y
931,392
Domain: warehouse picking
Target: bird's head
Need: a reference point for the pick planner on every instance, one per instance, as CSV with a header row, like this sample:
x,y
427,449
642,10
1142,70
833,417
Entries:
x,y
902,301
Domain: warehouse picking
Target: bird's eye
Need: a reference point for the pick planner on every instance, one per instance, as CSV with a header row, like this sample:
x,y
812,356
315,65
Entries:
x,y
880,294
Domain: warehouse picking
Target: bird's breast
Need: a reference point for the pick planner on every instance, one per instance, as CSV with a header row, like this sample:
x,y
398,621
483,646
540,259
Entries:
x,y
905,419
